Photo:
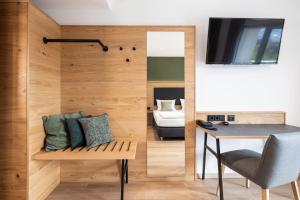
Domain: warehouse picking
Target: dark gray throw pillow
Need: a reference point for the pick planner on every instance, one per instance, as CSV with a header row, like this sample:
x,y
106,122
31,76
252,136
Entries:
x,y
76,133
77,138
55,129
96,130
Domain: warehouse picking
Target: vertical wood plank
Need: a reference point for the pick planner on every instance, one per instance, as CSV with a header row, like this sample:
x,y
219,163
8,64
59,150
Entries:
x,y
13,66
44,97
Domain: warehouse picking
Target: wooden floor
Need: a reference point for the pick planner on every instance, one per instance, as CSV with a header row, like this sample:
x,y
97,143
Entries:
x,y
199,190
151,134
234,189
133,191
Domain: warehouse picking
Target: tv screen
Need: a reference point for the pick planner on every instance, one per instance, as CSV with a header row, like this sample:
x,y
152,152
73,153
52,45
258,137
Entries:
x,y
243,41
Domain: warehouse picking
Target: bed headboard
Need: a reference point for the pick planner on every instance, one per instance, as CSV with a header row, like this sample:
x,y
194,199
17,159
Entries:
x,y
169,93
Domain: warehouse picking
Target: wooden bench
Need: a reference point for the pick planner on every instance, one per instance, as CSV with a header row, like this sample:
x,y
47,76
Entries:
x,y
118,149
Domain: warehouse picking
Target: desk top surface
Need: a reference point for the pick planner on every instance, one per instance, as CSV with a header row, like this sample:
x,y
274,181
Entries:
x,y
239,131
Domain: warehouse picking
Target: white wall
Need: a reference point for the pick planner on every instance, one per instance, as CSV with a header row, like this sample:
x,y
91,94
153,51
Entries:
x,y
234,88
165,44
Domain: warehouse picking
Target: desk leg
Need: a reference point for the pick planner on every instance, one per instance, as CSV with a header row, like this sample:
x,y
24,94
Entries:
x,y
204,156
219,169
122,178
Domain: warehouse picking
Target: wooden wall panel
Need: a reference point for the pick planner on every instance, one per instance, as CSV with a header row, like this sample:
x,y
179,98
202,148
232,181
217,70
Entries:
x,y
44,98
13,62
157,84
249,117
94,81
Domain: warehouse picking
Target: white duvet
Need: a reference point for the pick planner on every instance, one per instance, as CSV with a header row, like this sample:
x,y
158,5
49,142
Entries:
x,y
172,114
169,118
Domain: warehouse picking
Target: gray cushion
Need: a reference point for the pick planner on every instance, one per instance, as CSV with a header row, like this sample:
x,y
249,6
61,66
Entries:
x,y
97,130
77,138
278,164
280,160
244,162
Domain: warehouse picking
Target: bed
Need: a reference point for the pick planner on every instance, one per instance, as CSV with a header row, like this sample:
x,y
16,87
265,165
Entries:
x,y
169,125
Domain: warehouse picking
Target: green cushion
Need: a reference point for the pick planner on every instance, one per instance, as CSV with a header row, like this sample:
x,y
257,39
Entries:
x,y
96,130
55,128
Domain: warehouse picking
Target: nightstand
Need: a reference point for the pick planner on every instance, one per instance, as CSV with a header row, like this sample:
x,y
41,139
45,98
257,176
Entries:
x,y
149,117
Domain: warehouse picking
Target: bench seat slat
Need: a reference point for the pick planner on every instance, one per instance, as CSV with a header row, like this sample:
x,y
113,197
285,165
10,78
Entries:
x,y
117,149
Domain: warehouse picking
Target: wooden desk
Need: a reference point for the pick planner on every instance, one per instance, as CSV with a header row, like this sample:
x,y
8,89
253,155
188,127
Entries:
x,y
239,131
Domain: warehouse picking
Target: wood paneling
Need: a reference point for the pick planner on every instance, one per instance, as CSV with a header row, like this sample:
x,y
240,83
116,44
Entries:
x,y
249,117
165,158
158,84
44,97
94,81
13,62
14,1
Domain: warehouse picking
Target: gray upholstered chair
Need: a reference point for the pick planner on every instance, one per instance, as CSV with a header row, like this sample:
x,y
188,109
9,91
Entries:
x,y
279,163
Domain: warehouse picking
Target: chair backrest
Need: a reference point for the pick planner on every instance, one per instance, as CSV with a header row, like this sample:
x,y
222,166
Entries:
x,y
280,161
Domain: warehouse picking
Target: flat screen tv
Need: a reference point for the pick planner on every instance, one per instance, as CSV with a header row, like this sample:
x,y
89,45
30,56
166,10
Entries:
x,y
243,41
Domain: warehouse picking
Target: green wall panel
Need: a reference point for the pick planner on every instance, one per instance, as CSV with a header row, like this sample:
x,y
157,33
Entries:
x,y
165,68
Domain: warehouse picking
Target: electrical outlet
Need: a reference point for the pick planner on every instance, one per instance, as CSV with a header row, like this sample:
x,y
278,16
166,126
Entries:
x,y
222,118
230,118
215,118
210,118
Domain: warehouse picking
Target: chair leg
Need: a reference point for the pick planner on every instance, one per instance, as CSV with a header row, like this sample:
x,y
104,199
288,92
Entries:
x,y
295,190
265,194
223,170
247,183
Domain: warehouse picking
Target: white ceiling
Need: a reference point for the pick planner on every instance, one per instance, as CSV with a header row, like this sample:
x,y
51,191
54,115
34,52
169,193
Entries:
x,y
159,12
73,5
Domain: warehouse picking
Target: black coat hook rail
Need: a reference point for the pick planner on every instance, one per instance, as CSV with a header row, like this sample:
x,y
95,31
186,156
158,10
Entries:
x,y
104,48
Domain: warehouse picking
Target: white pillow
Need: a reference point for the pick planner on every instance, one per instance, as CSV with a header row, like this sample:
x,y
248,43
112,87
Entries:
x,y
182,104
158,102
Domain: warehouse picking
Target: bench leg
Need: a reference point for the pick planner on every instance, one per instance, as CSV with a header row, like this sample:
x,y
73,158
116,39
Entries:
x,y
122,178
126,171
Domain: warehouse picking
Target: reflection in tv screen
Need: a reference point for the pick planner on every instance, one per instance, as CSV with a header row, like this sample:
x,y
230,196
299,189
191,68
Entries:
x,y
243,41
